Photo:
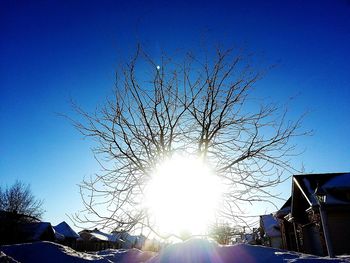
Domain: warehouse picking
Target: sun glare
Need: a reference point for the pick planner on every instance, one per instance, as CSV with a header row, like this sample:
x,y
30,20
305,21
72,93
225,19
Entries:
x,y
183,196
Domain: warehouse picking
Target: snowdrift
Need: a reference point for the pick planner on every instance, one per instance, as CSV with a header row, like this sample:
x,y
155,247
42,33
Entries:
x,y
126,255
204,251
48,252
193,250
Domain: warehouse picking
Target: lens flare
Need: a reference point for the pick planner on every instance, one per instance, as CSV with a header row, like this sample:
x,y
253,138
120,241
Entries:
x,y
183,195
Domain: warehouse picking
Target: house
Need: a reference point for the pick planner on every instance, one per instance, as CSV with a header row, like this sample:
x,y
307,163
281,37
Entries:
x,y
316,219
19,228
270,231
65,235
286,227
95,240
36,231
130,241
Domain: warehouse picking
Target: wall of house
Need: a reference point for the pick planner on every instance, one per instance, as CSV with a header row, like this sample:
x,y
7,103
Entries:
x,y
311,240
339,230
276,242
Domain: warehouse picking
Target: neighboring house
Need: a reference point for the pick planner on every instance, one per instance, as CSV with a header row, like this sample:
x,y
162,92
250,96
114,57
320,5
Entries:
x,y
286,227
95,240
130,241
270,231
317,199
65,235
18,228
36,231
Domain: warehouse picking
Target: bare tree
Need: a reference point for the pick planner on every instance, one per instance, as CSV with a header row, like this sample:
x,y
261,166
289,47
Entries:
x,y
19,199
223,233
199,106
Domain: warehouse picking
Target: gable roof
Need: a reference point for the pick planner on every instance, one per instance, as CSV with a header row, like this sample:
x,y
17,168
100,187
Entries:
x,y
308,183
36,230
285,209
97,234
63,229
100,236
130,240
336,186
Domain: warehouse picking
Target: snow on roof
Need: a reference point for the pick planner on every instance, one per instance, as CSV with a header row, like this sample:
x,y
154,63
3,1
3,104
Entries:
x,y
129,239
270,225
59,236
283,212
99,235
331,183
33,231
65,230
340,181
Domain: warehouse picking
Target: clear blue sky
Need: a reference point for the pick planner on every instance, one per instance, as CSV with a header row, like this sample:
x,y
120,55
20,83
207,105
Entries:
x,y
53,50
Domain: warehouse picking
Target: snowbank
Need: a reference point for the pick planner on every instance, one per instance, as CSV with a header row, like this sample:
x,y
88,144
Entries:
x,y
126,255
204,251
191,251
48,252
4,258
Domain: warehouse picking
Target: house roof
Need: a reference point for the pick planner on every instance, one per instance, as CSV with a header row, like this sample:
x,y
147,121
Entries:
x,y
34,231
308,183
102,236
285,209
335,185
63,229
130,239
99,235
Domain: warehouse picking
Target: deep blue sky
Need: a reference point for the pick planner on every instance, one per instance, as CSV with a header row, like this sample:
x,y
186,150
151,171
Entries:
x,y
52,50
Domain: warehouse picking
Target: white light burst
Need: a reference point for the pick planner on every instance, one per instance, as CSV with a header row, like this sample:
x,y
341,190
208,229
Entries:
x,y
183,195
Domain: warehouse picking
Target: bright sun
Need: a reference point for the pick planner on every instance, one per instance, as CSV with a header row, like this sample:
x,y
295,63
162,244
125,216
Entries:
x,y
183,196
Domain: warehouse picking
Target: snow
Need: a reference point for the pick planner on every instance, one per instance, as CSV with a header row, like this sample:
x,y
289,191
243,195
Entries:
x,y
126,255
340,181
59,236
34,230
204,251
271,226
48,252
130,241
193,250
63,229
99,235
4,258
102,236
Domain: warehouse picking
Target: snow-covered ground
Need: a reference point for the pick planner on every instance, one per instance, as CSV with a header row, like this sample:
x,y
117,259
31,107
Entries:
x,y
193,250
